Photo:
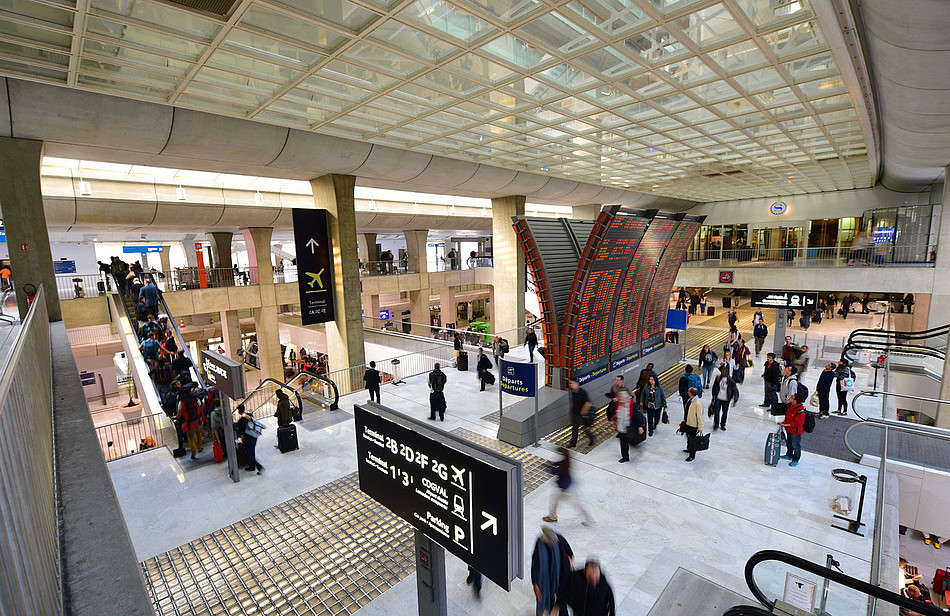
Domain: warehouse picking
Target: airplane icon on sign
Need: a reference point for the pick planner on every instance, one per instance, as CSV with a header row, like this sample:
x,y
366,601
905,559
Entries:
x,y
316,278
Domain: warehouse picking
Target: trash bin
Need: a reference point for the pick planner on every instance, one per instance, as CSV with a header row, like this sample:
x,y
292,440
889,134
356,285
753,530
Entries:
x,y
727,301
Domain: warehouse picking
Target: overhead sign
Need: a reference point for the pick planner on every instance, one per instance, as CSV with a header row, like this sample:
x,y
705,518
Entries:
x,y
224,374
517,378
462,496
383,315
140,249
675,319
64,266
314,265
778,208
726,277
3,232
785,299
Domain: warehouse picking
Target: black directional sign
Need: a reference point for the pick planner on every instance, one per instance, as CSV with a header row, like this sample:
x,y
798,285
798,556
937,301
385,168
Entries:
x,y
314,265
225,374
785,299
466,498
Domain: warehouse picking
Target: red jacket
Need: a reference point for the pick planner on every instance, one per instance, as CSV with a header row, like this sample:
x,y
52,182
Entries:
x,y
795,419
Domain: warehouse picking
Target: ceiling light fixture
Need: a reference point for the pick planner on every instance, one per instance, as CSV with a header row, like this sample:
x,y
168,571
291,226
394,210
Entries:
x,y
180,194
452,210
85,188
258,198
415,208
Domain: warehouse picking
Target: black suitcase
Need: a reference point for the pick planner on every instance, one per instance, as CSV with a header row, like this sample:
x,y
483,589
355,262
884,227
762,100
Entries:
x,y
710,311
489,378
287,438
727,302
462,363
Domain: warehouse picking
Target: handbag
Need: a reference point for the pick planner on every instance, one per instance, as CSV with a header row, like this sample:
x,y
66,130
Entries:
x,y
666,418
778,408
814,399
748,362
588,418
847,384
699,442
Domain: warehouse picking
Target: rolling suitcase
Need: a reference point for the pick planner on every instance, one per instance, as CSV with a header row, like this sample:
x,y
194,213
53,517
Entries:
x,y
710,311
489,378
773,448
287,438
462,363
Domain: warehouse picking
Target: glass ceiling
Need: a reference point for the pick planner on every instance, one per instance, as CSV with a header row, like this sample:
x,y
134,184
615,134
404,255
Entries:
x,y
698,99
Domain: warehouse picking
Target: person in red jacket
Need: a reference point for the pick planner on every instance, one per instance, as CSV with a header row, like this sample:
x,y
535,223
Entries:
x,y
794,425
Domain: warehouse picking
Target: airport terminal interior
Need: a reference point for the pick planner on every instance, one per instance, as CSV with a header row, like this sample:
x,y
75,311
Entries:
x,y
471,307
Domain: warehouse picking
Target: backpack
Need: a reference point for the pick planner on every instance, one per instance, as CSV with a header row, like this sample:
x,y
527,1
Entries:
x,y
439,380
801,393
504,346
253,428
809,421
695,381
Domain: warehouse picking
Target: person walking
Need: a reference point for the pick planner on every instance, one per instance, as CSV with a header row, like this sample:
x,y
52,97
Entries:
x,y
587,592
531,341
192,419
474,580
614,395
580,409
436,393
249,430
686,381
865,300
758,317
846,302
742,358
732,317
790,316
693,302
801,362
707,363
727,363
760,332
693,426
285,413
497,349
628,423
832,303
724,391
551,564
908,302
371,378
825,380
772,377
562,470
483,366
842,372
794,424
653,402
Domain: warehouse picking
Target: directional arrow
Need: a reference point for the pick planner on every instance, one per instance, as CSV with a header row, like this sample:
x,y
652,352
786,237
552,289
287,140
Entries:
x,y
492,521
312,245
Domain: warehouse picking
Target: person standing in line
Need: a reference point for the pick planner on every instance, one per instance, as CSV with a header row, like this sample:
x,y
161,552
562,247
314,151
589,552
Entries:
x,y
531,341
653,402
580,407
191,417
825,381
801,362
162,376
842,372
760,332
794,424
789,385
707,363
724,391
587,592
694,423
562,469
436,393
371,378
772,377
483,366
628,421
551,564
284,414
249,430
151,294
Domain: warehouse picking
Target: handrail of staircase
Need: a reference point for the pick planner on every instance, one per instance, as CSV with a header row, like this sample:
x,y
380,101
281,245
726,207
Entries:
x,y
180,340
279,386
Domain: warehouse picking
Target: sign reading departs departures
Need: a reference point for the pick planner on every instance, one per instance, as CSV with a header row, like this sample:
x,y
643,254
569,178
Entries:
x,y
223,373
314,266
465,497
785,299
517,378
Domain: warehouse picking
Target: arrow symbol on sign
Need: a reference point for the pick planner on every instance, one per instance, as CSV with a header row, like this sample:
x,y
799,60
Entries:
x,y
312,245
492,521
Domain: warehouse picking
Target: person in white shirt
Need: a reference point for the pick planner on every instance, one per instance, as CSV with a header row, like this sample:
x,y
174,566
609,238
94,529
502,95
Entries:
x,y
728,363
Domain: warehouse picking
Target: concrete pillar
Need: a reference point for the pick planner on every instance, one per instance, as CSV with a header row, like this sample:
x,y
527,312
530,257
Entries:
x,y
448,307
490,308
368,247
419,312
416,247
257,240
191,254
778,333
25,222
939,308
231,333
345,334
166,258
221,248
371,310
586,212
509,270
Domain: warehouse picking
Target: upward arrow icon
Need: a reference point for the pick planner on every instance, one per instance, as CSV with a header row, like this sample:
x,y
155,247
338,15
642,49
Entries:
x,y
312,245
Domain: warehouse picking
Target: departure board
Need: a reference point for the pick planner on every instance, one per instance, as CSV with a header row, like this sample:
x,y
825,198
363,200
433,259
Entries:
x,y
625,335
591,343
653,325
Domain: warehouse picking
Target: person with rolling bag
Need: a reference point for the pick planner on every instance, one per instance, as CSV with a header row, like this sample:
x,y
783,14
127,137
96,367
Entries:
x,y
286,430
629,424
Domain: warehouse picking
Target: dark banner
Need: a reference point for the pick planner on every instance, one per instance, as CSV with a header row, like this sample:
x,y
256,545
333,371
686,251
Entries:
x,y
517,378
799,300
314,265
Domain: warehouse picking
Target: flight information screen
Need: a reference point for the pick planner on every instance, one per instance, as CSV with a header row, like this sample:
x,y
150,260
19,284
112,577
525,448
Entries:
x,y
591,342
626,333
653,326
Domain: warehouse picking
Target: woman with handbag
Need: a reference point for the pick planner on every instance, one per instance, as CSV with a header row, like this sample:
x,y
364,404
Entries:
x,y
693,426
653,402
844,382
628,422
743,359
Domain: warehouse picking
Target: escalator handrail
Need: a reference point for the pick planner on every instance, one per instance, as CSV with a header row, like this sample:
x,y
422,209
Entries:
x,y
279,386
118,298
874,392
335,403
903,349
830,574
933,332
181,341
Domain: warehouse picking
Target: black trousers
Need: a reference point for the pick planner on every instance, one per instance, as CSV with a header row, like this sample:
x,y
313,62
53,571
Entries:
x,y
824,403
719,406
624,446
576,422
843,400
437,405
373,393
690,431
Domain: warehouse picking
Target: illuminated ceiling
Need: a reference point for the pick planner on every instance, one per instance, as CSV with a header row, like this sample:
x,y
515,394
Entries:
x,y
702,100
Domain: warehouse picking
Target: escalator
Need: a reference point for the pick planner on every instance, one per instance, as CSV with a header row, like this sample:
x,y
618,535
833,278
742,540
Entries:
x,y
931,343
310,392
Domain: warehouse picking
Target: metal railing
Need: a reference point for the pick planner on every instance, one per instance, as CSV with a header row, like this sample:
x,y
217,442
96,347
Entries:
x,y
385,268
443,264
878,255
395,369
30,575
78,286
131,436
261,400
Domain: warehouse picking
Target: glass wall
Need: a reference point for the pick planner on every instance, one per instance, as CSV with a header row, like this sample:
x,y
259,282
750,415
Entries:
x,y
899,234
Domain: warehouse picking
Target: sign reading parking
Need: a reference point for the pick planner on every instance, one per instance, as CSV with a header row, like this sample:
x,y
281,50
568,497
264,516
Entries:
x,y
785,299
223,373
462,496
517,378
314,265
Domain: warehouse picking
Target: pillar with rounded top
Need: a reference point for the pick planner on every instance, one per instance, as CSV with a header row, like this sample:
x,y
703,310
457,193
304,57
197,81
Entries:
x,y
221,248
257,240
419,300
334,193
509,267
191,253
231,333
367,246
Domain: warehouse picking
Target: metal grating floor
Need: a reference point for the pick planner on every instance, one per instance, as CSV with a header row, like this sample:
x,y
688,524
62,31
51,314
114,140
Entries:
x,y
493,417
534,468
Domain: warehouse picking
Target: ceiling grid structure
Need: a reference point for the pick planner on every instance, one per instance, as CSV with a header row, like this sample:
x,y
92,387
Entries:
x,y
704,100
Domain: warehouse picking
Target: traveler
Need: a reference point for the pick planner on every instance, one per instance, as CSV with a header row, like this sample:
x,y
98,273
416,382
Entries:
x,y
498,348
772,376
436,394
162,375
842,372
789,385
686,381
182,367
551,565
732,339
285,413
151,327
653,402
135,286
149,348
249,430
760,332
531,340
581,412
742,360
151,294
457,345
483,365
758,317
908,302
371,378
806,319
846,302
724,391
825,380
693,426
693,302
105,271
587,592
789,351
801,362
794,424
141,312
474,580
169,347
119,271
865,300
628,422
707,363
790,316
191,415
732,317
702,302
832,303
727,363
614,395
562,469
217,427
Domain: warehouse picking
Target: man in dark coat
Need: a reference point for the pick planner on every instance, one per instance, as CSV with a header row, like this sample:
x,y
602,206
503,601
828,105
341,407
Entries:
x,y
587,592
551,565
483,366
371,378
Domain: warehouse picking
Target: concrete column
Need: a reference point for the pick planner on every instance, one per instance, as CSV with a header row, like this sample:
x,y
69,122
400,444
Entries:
x,y
368,247
939,308
416,247
778,333
231,333
448,305
419,312
191,254
586,212
25,222
221,248
257,240
345,334
371,310
166,258
509,271
491,307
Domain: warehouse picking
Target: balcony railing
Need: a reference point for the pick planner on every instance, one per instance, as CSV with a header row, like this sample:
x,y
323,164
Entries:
x,y
878,255
77,286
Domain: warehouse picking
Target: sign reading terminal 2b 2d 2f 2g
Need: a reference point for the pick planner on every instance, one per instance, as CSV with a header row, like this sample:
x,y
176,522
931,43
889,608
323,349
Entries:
x,y
314,266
